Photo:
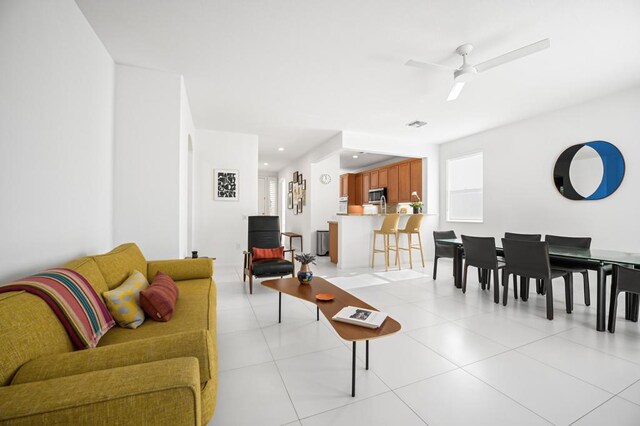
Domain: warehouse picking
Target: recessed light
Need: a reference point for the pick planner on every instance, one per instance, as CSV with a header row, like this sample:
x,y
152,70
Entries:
x,y
355,156
281,149
417,124
266,164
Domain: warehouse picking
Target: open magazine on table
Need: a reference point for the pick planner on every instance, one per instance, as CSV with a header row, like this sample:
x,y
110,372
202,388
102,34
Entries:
x,y
360,316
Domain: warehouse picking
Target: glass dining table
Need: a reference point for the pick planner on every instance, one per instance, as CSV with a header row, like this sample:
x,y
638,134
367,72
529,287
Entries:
x,y
591,259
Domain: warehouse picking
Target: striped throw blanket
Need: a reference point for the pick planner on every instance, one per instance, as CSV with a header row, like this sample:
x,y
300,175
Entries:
x,y
75,303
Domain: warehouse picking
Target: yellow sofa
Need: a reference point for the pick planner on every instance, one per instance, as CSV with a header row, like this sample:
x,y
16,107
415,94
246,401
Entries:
x,y
162,373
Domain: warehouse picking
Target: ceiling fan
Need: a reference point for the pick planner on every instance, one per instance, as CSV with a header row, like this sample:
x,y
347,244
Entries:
x,y
467,72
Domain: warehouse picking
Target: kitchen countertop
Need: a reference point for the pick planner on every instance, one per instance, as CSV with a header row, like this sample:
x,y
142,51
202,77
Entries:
x,y
375,214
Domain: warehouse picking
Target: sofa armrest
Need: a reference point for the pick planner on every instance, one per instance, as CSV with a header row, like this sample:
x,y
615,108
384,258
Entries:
x,y
197,344
160,393
181,269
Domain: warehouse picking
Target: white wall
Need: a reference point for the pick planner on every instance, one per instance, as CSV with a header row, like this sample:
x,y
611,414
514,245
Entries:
x,y
221,226
187,132
147,160
56,140
519,194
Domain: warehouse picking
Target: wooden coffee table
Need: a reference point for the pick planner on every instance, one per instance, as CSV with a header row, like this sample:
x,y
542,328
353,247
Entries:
x,y
349,332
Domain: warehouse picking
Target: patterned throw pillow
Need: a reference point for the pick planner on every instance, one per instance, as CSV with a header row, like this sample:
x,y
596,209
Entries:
x,y
159,300
267,253
123,301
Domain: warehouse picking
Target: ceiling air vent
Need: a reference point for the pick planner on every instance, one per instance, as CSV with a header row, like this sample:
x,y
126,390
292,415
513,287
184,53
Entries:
x,y
417,124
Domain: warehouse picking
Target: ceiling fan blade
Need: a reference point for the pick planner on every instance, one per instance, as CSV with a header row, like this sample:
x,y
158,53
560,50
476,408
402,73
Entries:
x,y
455,91
513,55
428,65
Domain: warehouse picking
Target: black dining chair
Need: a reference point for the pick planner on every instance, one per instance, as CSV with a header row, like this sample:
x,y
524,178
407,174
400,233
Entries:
x,y
480,252
442,250
530,259
264,232
573,242
524,283
624,280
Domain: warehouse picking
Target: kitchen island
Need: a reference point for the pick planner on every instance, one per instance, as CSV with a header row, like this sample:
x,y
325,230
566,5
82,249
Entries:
x,y
355,239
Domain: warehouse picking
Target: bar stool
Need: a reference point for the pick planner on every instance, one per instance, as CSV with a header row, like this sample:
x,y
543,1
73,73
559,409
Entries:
x,y
412,227
389,227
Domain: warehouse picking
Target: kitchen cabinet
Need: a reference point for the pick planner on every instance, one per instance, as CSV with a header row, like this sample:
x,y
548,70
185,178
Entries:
x,y
373,180
359,200
392,187
404,182
343,185
333,242
366,186
348,187
382,178
416,178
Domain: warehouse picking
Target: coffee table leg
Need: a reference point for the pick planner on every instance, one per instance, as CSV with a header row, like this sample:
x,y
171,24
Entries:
x,y
367,356
317,313
353,370
279,307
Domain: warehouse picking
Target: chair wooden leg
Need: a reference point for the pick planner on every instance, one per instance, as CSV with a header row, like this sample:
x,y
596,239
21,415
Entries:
x,y
587,290
250,283
373,251
386,252
421,252
435,267
505,283
398,252
410,259
568,292
549,290
464,278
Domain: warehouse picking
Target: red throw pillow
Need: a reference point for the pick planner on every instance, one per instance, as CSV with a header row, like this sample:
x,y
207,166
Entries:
x,y
159,299
267,253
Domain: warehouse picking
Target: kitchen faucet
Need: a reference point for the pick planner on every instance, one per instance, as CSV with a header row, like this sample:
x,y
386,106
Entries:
x,y
383,201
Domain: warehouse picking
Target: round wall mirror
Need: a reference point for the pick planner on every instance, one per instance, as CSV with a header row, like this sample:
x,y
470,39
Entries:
x,y
589,171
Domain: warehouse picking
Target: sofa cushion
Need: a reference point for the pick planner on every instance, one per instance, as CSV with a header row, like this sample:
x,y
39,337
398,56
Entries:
x,y
28,330
159,299
117,265
195,310
88,268
123,302
273,267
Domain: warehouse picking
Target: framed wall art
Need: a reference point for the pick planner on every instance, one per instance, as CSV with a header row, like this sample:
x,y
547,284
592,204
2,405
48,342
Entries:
x,y
225,185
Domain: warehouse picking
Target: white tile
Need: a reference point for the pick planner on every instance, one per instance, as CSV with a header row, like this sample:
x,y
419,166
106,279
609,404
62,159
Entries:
x,y
411,317
321,381
293,311
382,410
296,423
296,338
376,297
252,396
239,319
457,398
401,275
615,411
554,395
496,328
232,301
357,281
241,349
457,344
618,344
598,368
408,291
449,308
632,393
399,360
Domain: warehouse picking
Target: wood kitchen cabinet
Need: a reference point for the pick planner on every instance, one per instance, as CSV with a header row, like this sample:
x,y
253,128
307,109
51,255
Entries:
x,y
392,187
416,178
333,242
383,178
373,180
348,187
359,199
404,182
366,186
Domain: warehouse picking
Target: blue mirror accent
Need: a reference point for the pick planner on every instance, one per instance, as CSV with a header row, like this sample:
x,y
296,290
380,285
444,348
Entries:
x,y
613,164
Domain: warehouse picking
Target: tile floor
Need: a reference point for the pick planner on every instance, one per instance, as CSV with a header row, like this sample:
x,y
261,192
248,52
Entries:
x,y
459,360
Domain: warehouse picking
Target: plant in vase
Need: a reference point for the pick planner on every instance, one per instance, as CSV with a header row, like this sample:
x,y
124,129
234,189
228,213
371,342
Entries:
x,y
417,207
304,274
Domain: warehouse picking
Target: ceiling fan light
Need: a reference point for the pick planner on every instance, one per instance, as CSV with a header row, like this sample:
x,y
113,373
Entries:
x,y
455,91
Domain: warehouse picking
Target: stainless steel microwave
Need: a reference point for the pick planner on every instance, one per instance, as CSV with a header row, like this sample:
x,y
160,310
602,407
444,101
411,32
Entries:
x,y
376,194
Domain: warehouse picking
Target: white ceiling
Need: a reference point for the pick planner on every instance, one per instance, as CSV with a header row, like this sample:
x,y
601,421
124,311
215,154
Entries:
x,y
365,159
297,72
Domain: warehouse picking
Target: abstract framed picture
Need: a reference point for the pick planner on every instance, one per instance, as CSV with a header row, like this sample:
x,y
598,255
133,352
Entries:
x,y
290,201
300,206
290,186
300,179
295,176
225,185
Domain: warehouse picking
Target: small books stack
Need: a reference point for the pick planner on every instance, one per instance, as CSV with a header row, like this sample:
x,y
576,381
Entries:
x,y
360,316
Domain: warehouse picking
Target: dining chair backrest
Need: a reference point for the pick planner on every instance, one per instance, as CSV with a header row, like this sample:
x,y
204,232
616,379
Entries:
x,y
626,279
264,232
522,237
573,242
527,258
444,250
413,224
390,223
480,251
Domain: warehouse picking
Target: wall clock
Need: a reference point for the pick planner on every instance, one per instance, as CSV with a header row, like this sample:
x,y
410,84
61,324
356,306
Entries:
x,y
325,178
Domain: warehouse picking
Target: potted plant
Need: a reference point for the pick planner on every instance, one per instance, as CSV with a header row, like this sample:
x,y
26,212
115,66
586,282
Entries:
x,y
304,274
417,207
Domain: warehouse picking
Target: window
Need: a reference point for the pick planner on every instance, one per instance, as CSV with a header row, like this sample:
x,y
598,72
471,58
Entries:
x,y
464,188
268,196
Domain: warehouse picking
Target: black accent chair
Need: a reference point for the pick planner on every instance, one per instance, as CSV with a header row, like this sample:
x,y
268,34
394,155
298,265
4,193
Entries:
x,y
264,232
480,252
624,280
442,250
524,283
530,259
573,242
